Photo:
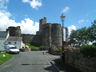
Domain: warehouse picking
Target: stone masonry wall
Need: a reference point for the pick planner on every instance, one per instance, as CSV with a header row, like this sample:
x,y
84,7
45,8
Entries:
x,y
32,39
77,60
46,35
56,34
27,38
50,34
14,31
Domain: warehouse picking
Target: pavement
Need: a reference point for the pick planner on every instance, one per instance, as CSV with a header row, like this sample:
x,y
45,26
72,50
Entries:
x,y
34,61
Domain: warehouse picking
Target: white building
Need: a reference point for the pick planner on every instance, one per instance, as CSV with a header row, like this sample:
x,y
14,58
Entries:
x,y
16,41
65,34
3,37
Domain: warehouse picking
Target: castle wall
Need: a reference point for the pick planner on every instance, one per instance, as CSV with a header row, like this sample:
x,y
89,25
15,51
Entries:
x,y
76,59
42,22
36,40
56,35
50,34
14,31
46,36
27,38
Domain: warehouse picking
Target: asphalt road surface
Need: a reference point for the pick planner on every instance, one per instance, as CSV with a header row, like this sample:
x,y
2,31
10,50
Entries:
x,y
35,61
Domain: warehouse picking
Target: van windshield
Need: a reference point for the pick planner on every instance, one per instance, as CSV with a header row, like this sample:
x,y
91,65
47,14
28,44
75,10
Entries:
x,y
12,47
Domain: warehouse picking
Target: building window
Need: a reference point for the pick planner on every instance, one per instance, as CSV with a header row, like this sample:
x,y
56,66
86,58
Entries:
x,y
9,42
15,42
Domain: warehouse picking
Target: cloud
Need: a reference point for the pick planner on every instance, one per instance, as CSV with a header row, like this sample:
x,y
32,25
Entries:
x,y
3,4
27,25
82,21
25,1
66,9
70,28
33,3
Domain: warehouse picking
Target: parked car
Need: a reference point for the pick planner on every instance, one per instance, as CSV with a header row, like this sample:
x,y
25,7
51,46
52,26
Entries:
x,y
12,49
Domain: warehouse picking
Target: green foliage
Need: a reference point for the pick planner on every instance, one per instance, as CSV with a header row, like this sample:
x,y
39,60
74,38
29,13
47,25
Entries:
x,y
79,37
83,36
32,47
72,37
88,50
59,49
92,32
4,59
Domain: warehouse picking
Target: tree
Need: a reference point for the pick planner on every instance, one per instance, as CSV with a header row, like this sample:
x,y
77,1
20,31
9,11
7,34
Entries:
x,y
92,31
72,38
83,36
79,37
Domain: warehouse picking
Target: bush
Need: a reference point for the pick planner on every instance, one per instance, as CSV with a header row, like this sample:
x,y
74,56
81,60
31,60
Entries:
x,y
88,50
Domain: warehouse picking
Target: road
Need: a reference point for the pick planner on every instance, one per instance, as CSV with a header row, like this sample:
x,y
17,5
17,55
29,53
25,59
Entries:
x,y
34,61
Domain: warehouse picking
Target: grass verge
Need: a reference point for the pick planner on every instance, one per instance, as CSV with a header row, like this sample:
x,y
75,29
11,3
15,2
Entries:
x,y
32,47
4,57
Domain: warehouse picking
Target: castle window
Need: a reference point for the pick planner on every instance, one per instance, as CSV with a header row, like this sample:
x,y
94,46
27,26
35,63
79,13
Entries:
x,y
9,42
15,42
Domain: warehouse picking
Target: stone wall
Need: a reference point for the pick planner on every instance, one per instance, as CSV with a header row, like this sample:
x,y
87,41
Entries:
x,y
32,39
46,36
51,34
14,31
41,23
36,40
76,59
56,35
27,38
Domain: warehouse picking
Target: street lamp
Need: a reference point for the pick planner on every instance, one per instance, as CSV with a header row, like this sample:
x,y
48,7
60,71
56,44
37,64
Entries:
x,y
62,19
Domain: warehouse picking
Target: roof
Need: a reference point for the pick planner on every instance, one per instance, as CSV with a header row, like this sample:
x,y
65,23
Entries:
x,y
14,39
3,34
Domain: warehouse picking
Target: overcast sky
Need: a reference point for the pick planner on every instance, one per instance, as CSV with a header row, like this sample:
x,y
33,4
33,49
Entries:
x,y
27,13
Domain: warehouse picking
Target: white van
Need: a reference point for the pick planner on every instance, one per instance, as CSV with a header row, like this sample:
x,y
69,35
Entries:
x,y
11,49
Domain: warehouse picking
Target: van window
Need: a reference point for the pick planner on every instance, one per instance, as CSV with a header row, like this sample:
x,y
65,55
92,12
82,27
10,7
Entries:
x,y
9,42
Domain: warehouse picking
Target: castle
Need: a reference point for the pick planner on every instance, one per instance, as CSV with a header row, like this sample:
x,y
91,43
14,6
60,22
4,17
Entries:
x,y
49,35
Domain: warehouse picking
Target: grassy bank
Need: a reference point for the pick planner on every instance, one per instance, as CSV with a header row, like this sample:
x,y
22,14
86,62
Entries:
x,y
32,47
4,57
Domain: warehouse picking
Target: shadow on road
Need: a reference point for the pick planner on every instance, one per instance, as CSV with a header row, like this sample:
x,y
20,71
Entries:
x,y
50,69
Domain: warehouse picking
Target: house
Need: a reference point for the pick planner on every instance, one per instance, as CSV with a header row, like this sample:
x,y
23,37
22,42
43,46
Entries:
x,y
16,41
3,37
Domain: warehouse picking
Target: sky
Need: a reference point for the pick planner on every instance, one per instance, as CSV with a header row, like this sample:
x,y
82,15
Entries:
x,y
27,13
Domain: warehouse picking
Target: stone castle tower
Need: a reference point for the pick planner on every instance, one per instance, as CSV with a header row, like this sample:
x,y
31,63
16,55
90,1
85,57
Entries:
x,y
14,31
51,34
